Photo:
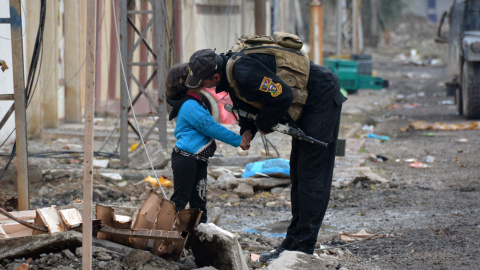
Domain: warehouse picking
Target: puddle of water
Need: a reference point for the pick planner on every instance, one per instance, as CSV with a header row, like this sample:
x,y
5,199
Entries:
x,y
279,229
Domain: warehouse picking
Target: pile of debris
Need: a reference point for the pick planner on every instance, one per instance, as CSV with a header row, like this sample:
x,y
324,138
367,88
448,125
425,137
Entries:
x,y
158,238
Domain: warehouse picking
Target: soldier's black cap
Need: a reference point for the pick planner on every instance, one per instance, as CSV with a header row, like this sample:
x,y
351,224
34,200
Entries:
x,y
202,64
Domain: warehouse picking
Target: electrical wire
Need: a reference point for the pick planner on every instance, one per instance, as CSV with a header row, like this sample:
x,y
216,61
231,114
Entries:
x,y
275,148
130,99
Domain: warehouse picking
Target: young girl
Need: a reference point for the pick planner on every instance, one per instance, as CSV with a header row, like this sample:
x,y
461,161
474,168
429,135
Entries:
x,y
195,131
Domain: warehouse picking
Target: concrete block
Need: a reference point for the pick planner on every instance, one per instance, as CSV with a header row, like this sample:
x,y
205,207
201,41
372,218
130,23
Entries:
x,y
158,156
296,260
244,190
213,246
31,246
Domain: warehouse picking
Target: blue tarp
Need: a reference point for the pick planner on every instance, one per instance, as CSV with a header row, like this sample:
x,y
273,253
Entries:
x,y
269,166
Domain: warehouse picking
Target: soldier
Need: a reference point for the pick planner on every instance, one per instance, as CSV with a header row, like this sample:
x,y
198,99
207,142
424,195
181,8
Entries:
x,y
273,78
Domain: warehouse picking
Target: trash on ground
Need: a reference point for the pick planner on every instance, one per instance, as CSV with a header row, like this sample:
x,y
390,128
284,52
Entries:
x,y
418,165
362,234
462,140
100,163
377,158
156,220
277,167
133,147
430,159
153,181
368,128
422,125
410,160
381,138
446,102
402,106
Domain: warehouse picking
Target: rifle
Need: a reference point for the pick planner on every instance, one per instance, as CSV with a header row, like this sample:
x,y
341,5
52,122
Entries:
x,y
282,128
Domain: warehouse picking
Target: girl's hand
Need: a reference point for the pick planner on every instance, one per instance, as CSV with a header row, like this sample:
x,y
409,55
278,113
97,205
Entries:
x,y
246,138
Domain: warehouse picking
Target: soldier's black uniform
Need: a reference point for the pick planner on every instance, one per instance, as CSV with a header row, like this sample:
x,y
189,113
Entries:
x,y
311,166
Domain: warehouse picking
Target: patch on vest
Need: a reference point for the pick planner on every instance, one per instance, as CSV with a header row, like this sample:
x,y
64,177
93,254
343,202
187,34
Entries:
x,y
275,89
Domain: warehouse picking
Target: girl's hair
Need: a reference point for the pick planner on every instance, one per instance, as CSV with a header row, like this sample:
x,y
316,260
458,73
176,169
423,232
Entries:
x,y
176,77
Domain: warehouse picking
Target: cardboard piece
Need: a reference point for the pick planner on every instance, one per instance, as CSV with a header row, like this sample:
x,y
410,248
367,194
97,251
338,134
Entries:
x,y
165,221
105,214
121,222
146,218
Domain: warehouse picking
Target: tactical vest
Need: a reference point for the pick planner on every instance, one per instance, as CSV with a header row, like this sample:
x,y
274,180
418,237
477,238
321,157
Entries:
x,y
293,65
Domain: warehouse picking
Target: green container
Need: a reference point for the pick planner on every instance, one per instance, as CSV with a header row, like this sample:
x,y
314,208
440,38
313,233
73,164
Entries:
x,y
346,70
349,78
369,82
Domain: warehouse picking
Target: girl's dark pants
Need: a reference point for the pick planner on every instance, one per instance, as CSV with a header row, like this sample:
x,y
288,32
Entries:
x,y
190,184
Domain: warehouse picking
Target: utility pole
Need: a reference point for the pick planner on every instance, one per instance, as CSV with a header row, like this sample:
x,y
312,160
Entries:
x,y
260,17
20,104
88,147
316,31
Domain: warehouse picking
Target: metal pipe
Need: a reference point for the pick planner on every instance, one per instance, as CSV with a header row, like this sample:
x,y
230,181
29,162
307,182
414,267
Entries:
x,y
316,31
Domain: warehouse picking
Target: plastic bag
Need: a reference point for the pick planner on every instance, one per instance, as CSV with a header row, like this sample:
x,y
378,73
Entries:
x,y
268,167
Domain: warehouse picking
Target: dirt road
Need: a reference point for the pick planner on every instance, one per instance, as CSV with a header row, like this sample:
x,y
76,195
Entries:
x,y
432,213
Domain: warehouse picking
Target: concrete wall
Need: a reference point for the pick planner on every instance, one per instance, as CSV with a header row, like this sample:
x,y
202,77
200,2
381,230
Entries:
x,y
214,24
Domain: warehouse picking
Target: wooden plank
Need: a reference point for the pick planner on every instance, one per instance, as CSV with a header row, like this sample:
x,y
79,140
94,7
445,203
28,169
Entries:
x,y
71,218
146,217
51,219
124,101
3,234
16,230
27,224
20,104
23,215
165,221
91,24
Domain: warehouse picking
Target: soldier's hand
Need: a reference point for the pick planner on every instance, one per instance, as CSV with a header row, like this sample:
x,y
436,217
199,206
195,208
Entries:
x,y
246,138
